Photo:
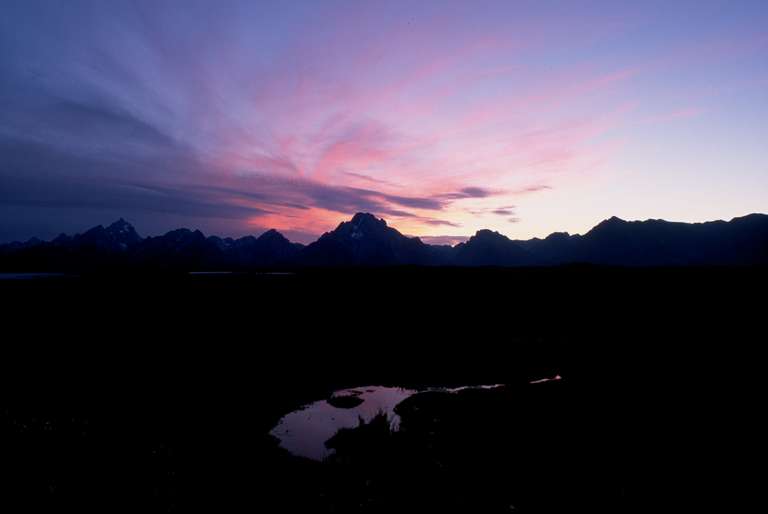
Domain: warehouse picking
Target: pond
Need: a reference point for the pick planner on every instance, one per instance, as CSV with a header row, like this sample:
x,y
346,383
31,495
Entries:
x,y
305,431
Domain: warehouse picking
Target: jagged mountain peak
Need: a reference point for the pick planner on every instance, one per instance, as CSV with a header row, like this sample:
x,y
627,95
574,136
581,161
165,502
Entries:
x,y
366,218
120,235
610,225
363,225
368,241
272,235
123,231
487,234
120,225
612,221
183,234
365,240
557,236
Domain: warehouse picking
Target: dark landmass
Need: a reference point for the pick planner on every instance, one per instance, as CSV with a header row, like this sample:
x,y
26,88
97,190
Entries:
x,y
522,447
345,402
368,242
131,393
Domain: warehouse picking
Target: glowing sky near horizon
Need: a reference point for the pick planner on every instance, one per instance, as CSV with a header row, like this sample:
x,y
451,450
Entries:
x,y
443,117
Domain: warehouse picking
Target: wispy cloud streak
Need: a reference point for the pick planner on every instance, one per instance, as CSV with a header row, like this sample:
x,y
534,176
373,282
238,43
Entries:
x,y
256,115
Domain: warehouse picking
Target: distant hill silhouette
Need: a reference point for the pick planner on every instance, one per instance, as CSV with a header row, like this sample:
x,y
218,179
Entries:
x,y
368,241
488,248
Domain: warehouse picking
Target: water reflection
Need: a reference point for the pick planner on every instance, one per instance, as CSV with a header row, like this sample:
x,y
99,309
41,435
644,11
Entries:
x,y
305,431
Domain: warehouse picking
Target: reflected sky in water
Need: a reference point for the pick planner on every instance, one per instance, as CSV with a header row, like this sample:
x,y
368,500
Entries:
x,y
305,431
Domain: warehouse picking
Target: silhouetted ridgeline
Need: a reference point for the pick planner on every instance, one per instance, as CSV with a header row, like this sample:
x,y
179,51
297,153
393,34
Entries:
x,y
368,241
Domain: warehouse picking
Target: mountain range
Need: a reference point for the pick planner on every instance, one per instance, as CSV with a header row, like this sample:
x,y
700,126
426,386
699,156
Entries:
x,y
368,241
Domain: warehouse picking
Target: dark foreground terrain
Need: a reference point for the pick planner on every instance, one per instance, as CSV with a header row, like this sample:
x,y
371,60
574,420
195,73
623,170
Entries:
x,y
156,393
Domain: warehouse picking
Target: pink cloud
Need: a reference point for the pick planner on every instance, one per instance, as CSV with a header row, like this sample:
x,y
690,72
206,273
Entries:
x,y
426,120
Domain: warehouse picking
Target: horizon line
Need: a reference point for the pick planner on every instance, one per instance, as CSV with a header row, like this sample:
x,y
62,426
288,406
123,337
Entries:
x,y
422,237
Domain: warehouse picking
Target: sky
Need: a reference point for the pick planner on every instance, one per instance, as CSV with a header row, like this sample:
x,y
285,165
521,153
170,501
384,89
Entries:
x,y
443,117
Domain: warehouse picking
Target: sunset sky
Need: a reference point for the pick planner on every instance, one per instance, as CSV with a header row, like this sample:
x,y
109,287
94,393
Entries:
x,y
442,117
